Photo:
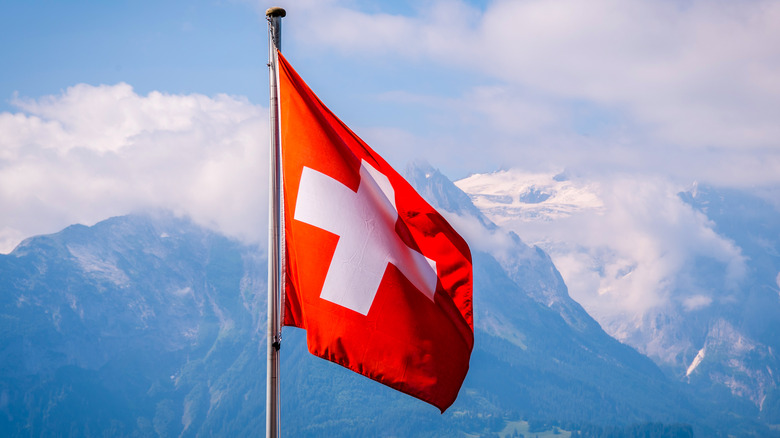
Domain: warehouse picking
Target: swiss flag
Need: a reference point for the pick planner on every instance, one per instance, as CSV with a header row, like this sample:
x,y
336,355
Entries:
x,y
381,283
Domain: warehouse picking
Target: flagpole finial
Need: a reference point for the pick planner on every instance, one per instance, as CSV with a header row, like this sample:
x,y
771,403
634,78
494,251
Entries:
x,y
275,11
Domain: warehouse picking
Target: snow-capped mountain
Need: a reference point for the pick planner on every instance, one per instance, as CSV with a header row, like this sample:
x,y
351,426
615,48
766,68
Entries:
x,y
152,326
510,196
686,276
743,331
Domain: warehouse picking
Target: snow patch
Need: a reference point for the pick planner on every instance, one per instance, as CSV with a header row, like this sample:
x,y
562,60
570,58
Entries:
x,y
100,266
74,305
527,196
777,280
696,361
182,291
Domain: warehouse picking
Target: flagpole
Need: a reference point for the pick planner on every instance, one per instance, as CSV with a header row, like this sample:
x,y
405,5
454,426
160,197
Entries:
x,y
275,223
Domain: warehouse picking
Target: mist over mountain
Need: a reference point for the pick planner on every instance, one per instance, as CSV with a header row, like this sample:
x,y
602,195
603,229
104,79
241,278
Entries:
x,y
688,277
742,324
149,325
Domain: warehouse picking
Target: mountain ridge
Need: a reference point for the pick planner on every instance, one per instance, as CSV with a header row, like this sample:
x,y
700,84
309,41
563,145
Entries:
x,y
152,325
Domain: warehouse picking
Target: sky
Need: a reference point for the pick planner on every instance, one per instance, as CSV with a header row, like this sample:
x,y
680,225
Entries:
x,y
112,107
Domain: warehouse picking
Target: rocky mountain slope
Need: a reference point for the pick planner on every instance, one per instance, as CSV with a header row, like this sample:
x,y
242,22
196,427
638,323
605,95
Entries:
x,y
149,325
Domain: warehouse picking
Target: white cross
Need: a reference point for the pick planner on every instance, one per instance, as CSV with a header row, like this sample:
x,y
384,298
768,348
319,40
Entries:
x,y
365,223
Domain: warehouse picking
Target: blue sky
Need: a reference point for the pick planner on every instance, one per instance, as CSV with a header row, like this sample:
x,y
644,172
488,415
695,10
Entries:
x,y
173,46
108,107
180,47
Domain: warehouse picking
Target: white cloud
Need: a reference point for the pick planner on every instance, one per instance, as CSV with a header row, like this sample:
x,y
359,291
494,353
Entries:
x,y
645,239
97,151
624,244
433,28
496,242
686,88
697,302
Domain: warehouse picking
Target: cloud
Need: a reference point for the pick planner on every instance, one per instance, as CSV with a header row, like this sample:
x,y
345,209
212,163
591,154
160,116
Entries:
x,y
646,239
685,87
697,71
624,244
497,242
92,152
438,28
697,302
495,119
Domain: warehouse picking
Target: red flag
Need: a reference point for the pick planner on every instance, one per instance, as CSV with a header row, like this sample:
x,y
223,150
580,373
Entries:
x,y
381,283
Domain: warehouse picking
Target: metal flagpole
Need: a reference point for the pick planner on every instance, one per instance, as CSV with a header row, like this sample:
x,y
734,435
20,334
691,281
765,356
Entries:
x,y
275,225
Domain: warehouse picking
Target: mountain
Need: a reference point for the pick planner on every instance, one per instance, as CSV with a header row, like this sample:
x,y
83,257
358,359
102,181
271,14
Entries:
x,y
526,321
136,326
713,321
150,325
742,325
530,267
508,197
